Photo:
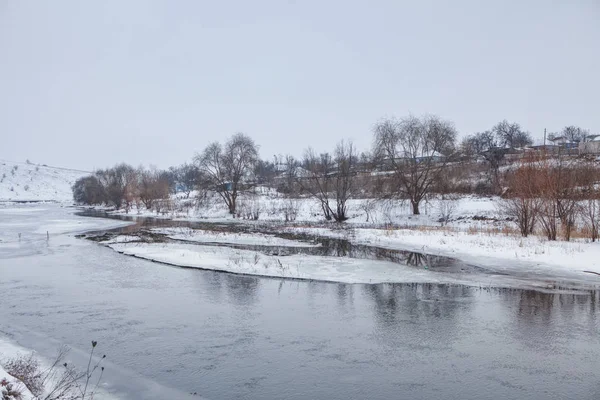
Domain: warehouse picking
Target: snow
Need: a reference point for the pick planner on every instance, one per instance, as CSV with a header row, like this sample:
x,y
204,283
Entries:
x,y
80,225
17,386
202,236
477,233
323,268
272,205
467,236
31,182
503,252
9,350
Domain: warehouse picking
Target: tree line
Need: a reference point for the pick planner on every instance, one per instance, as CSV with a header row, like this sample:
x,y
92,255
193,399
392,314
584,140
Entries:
x,y
411,158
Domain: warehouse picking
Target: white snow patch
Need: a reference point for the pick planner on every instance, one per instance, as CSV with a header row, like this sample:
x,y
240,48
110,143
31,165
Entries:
x,y
203,236
507,251
9,350
324,268
61,226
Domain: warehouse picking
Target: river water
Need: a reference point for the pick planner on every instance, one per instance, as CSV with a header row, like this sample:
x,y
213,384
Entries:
x,y
168,332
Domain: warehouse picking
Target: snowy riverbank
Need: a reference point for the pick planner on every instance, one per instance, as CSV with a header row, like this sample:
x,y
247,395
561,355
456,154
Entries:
x,y
322,268
504,251
14,389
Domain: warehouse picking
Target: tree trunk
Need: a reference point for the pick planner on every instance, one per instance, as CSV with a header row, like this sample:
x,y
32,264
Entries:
x,y
415,207
232,206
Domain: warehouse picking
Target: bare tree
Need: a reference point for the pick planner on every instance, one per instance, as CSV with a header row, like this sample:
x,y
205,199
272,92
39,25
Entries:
x,y
229,168
591,217
188,178
266,171
485,144
315,179
574,133
559,192
152,186
446,207
523,200
510,134
417,149
290,175
478,143
331,179
119,184
88,190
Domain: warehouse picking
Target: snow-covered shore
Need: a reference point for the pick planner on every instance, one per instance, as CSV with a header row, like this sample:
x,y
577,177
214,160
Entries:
x,y
10,350
477,234
323,268
201,236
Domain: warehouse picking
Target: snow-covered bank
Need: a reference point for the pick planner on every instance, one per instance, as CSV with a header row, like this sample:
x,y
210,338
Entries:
x,y
333,269
477,233
10,350
13,389
202,236
533,254
323,268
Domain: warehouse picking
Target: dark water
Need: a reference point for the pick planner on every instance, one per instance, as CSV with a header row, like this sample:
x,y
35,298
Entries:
x,y
237,337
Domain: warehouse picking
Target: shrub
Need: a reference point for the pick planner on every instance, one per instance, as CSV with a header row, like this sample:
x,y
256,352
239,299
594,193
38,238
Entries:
x,y
59,382
89,190
8,391
446,208
290,210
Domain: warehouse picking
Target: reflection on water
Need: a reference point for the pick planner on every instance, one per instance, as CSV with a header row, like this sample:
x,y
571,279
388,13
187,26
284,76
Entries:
x,y
327,246
229,336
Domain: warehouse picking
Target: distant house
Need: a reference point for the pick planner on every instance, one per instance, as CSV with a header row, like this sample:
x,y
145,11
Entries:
x,y
591,145
433,156
546,148
563,142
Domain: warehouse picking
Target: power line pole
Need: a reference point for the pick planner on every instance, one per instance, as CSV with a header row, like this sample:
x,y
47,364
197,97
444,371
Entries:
x,y
544,137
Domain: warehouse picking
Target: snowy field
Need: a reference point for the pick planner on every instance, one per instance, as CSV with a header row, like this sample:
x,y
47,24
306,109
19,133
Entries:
x,y
31,182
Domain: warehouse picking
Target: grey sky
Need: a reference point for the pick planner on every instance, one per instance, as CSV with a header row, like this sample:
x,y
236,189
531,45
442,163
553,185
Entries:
x,y
86,85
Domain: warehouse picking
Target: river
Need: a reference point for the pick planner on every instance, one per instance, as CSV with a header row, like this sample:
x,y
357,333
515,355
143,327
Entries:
x,y
169,332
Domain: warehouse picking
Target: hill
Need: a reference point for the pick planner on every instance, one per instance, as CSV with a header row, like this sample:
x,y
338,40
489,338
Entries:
x,y
33,182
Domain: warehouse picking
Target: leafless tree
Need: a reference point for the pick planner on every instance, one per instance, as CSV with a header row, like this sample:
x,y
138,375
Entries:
x,y
88,190
574,133
119,184
511,135
229,168
189,178
559,193
331,179
152,186
290,209
523,200
446,207
368,206
478,143
417,149
290,175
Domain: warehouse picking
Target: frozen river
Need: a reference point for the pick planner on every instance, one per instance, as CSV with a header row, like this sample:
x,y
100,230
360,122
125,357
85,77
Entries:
x,y
169,331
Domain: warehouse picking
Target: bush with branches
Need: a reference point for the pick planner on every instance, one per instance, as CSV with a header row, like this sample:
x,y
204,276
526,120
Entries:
x,y
60,381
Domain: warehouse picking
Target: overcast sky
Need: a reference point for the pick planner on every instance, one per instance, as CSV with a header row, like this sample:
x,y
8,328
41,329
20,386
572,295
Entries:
x,y
87,84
